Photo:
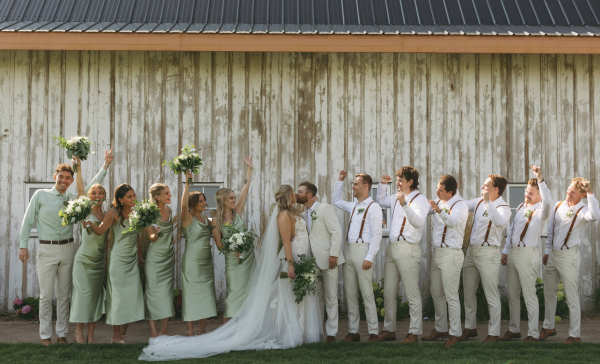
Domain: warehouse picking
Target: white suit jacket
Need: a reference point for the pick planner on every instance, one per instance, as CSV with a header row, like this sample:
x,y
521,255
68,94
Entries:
x,y
325,235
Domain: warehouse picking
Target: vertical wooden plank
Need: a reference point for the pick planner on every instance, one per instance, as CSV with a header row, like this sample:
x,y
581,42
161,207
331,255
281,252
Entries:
x,y
403,110
534,135
72,111
499,111
516,119
41,168
238,135
257,208
453,85
371,123
552,127
287,130
203,87
136,150
323,176
154,113
222,126
468,160
595,128
103,115
305,129
485,140
122,167
565,91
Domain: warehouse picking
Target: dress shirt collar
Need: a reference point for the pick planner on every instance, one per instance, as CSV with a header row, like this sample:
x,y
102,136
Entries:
x,y
533,207
574,207
366,202
451,201
499,201
314,206
56,193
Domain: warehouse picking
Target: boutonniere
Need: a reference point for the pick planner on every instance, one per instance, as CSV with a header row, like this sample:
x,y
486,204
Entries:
x,y
360,211
570,214
528,213
485,213
313,215
446,210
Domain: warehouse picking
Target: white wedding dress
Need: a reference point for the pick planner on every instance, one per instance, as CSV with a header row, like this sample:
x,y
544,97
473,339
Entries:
x,y
269,317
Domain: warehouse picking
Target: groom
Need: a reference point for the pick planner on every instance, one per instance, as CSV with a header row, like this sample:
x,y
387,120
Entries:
x,y
325,236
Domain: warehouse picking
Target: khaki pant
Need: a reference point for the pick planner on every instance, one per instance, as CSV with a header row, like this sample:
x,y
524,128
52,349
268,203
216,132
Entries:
x,y
328,298
482,263
446,265
402,261
54,264
355,277
521,274
563,264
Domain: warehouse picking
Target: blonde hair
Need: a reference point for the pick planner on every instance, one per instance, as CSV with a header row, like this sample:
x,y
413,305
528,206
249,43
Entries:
x,y
89,192
577,181
156,190
221,195
284,201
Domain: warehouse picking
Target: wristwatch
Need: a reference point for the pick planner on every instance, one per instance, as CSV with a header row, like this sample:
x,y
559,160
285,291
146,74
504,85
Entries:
x,y
404,204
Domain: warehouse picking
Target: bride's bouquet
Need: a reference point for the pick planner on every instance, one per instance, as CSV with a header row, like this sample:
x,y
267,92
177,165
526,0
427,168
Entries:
x,y
143,214
188,160
239,242
77,146
77,210
307,275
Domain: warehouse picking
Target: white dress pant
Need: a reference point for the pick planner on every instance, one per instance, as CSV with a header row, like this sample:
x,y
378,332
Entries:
x,y
328,297
355,277
563,264
446,265
402,261
521,274
54,264
482,263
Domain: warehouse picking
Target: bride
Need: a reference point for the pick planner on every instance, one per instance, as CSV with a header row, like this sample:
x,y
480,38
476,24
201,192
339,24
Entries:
x,y
269,318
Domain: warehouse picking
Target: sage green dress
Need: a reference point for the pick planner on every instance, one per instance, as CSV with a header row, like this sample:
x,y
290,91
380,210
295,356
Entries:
x,y
160,273
237,274
124,294
198,276
87,295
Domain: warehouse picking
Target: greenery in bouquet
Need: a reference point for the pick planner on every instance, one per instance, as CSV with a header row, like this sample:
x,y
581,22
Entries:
x,y
144,214
187,160
239,242
307,275
77,210
78,146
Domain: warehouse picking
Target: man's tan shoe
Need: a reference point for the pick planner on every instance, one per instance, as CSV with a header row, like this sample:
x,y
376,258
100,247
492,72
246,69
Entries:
x,y
573,340
491,339
352,338
530,339
410,339
373,338
468,333
330,339
387,336
62,340
453,340
510,335
46,342
547,333
434,336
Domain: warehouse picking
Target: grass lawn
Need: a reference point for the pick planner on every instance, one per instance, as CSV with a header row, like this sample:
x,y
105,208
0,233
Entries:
x,y
516,352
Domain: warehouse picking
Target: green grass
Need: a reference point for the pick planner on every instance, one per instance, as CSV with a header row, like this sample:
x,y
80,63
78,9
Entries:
x,y
472,352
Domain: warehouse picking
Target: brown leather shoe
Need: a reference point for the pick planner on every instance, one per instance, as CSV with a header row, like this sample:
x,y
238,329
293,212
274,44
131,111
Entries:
x,y
573,340
352,338
62,340
387,336
468,333
510,335
410,339
491,339
330,339
530,339
46,342
434,336
373,338
547,333
451,341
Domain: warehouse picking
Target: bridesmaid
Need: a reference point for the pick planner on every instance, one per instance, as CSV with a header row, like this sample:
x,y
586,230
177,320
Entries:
x,y
229,211
160,271
198,276
124,295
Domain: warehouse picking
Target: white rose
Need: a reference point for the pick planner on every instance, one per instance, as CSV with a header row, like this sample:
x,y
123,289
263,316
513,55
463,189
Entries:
x,y
69,210
240,241
77,209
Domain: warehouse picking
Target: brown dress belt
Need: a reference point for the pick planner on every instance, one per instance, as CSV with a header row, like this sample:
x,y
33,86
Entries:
x,y
56,242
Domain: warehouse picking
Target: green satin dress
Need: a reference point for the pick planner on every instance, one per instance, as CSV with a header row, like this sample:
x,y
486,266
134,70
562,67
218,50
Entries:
x,y
160,273
237,274
198,276
124,294
87,295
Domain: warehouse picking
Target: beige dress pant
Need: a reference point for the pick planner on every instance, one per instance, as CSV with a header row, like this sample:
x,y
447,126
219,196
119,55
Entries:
x,y
54,264
355,277
563,264
446,265
482,263
328,298
402,261
521,274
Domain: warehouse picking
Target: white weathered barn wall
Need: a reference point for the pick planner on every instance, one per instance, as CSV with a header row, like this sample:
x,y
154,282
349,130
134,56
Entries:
x,y
302,116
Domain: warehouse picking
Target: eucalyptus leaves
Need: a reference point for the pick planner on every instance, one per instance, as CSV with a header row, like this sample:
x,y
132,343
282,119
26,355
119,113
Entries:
x,y
307,275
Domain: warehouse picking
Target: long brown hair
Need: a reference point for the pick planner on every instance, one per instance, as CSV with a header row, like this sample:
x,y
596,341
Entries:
x,y
284,201
120,192
194,199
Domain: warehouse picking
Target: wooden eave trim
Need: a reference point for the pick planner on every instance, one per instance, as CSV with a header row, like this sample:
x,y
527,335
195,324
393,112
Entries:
x,y
300,43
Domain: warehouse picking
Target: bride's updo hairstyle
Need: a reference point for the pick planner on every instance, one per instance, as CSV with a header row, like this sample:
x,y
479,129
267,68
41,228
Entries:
x,y
220,197
283,198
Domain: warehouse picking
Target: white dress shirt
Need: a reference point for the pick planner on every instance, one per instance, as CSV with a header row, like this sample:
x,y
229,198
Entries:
x,y
373,224
308,215
415,213
499,216
454,220
541,214
560,222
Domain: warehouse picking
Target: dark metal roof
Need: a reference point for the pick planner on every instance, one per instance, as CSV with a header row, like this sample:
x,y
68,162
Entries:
x,y
456,17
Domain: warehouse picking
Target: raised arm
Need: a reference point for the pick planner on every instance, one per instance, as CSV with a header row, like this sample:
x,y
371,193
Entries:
x,y
593,212
99,177
458,215
79,178
382,198
336,199
416,213
499,216
186,217
284,221
241,203
546,207
109,220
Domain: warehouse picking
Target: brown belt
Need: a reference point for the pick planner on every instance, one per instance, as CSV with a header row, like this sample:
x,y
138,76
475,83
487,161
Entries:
x,y
56,242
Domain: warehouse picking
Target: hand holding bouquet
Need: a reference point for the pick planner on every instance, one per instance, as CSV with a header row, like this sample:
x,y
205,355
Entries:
x,y
188,160
143,214
239,242
78,146
307,275
77,210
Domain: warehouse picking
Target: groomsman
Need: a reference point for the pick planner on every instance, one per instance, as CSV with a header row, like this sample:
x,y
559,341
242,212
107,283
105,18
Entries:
x,y
56,250
562,258
325,236
403,255
447,260
522,255
482,261
362,244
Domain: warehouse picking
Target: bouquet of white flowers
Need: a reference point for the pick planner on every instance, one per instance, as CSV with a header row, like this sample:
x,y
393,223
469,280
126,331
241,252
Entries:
x,y
77,210
239,241
144,214
188,160
77,146
307,275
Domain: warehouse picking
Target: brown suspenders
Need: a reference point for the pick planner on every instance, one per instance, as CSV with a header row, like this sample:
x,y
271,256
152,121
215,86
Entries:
x,y
487,233
570,228
403,221
446,227
526,226
362,226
